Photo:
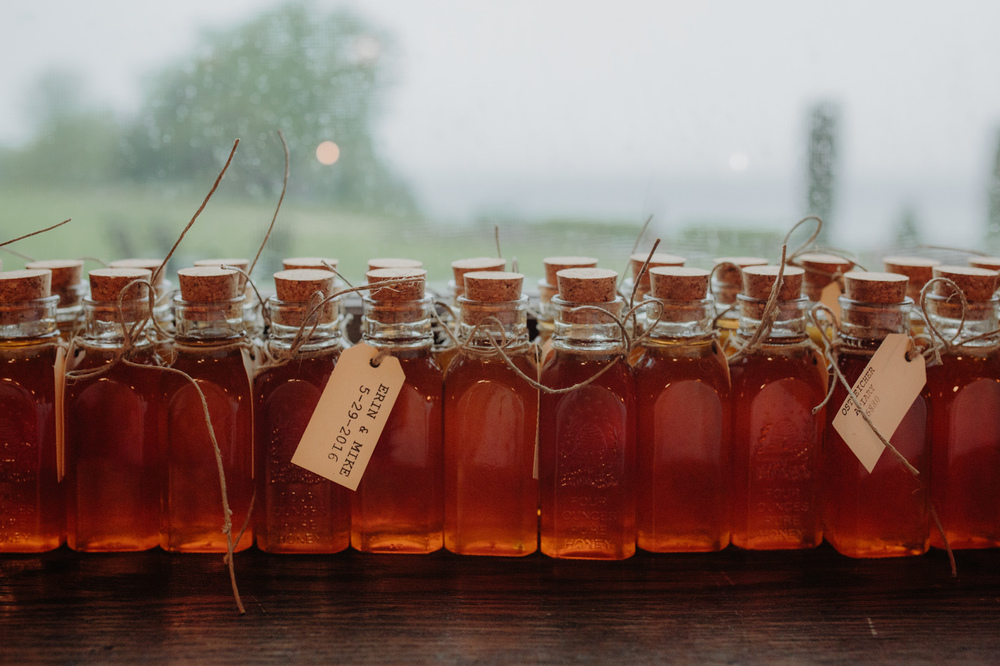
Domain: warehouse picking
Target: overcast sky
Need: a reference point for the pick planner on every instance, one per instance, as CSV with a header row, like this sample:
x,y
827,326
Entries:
x,y
628,92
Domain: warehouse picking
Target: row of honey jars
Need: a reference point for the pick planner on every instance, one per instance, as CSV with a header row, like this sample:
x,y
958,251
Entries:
x,y
786,339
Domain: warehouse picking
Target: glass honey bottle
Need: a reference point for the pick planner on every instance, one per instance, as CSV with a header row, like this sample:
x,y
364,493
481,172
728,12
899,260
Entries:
x,y
822,270
727,281
113,456
298,511
776,436
444,349
68,285
31,502
491,420
684,419
635,290
163,307
399,504
918,271
963,392
586,463
253,320
547,288
883,513
210,347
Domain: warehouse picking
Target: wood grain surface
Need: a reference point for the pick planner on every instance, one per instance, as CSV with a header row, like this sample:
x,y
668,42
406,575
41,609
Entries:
x,y
733,606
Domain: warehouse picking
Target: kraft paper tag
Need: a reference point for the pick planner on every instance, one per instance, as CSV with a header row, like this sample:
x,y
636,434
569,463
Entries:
x,y
350,416
60,417
830,297
886,391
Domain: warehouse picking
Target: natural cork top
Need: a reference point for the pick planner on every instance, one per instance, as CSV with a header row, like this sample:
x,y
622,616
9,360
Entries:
x,y
918,269
297,285
205,284
107,283
658,259
978,284
26,285
66,276
758,280
676,283
820,268
587,285
493,286
149,264
242,264
462,266
410,290
873,287
295,263
392,262
555,264
728,271
990,263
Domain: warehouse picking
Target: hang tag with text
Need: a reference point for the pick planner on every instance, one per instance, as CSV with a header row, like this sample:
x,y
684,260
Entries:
x,y
830,297
60,399
886,390
349,418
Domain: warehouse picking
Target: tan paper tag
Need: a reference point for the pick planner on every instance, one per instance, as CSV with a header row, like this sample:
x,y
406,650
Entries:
x,y
60,399
830,297
350,416
886,391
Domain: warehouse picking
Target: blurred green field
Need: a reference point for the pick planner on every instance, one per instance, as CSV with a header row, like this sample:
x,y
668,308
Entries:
x,y
115,222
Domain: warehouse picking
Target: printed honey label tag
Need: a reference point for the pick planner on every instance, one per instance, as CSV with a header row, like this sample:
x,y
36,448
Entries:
x,y
886,390
830,297
350,416
60,399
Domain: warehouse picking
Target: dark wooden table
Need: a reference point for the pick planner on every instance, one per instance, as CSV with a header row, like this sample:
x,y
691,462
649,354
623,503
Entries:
x,y
725,607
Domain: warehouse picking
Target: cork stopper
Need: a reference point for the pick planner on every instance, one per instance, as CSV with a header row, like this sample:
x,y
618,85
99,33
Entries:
x,y
658,259
555,264
107,283
205,284
411,290
677,283
820,269
493,286
242,264
873,287
727,272
919,270
298,263
297,285
26,285
67,274
587,285
978,284
462,266
758,280
989,263
149,264
391,262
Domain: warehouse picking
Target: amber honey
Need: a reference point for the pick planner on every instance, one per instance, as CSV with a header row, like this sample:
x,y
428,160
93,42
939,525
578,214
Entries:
x,y
683,443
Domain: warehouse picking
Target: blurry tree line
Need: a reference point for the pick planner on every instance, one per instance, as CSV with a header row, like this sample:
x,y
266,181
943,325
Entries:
x,y
317,76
